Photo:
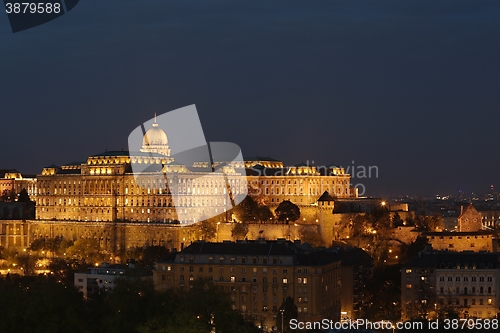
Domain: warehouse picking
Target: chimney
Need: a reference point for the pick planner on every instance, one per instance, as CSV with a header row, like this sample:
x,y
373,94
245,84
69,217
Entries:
x,y
461,209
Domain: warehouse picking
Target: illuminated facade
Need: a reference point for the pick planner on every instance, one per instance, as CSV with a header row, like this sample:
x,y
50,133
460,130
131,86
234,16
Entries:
x,y
13,181
258,275
104,187
302,184
468,281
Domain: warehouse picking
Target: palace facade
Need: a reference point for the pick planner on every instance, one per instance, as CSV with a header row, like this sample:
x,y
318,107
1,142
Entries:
x,y
105,188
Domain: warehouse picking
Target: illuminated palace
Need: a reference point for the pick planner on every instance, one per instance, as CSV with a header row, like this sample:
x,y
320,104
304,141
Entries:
x,y
104,188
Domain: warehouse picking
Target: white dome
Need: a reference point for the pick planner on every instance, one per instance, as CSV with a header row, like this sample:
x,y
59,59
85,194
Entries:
x,y
155,137
155,141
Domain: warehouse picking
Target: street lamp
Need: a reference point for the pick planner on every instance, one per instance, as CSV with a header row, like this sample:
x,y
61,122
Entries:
x,y
217,232
282,311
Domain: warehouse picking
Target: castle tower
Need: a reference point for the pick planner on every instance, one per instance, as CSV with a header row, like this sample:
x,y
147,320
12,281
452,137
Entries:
x,y
469,220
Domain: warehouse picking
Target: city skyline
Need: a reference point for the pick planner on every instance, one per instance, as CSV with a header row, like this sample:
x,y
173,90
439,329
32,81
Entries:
x,y
409,88
253,167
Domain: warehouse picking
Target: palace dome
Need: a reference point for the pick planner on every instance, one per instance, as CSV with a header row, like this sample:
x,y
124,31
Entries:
x,y
155,136
155,141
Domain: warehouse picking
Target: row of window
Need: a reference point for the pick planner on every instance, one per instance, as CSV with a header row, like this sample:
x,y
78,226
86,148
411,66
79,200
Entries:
x,y
465,291
240,260
466,278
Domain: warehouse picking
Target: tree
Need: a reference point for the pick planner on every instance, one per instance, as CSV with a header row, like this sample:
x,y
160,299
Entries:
x,y
64,269
496,231
448,308
239,231
152,254
287,211
8,196
208,229
287,311
37,244
27,262
23,196
434,223
86,249
310,236
41,304
57,245
264,213
383,294
358,225
396,220
203,308
412,249
246,210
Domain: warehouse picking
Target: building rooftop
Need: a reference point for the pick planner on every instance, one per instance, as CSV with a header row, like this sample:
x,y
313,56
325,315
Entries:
x,y
258,247
261,158
462,260
355,256
457,233
259,170
4,171
127,153
326,197
301,256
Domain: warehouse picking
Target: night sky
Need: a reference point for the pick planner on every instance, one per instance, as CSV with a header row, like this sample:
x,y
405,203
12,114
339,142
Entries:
x,y
412,87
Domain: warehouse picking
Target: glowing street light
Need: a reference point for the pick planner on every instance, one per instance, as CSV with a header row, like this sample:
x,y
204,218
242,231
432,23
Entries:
x,y
282,311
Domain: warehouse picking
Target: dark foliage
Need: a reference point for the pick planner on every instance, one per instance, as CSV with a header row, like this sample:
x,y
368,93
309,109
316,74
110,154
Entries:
x,y
287,211
43,305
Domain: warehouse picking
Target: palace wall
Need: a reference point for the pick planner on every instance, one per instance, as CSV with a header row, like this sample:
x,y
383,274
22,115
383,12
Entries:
x,y
114,237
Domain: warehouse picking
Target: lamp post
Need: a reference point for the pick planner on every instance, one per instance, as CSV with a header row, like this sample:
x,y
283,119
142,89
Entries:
x,y
282,311
217,232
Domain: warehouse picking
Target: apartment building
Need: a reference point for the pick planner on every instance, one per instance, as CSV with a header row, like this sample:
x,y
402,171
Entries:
x,y
259,275
468,281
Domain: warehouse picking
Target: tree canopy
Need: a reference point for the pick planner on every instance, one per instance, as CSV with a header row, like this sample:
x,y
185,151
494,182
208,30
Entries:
x,y
239,231
23,196
41,304
287,311
287,211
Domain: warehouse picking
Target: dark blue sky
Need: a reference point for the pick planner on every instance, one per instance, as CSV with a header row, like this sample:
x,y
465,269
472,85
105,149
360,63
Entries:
x,y
412,87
